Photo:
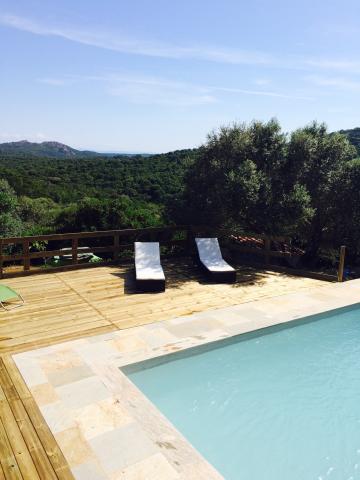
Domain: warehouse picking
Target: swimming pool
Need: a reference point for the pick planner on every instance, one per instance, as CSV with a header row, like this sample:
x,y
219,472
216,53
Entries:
x,y
280,403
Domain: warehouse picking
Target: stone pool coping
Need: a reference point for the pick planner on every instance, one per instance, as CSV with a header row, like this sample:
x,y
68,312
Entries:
x,y
106,428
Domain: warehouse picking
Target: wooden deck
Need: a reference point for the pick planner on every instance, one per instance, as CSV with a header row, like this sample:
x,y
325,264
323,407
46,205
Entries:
x,y
67,305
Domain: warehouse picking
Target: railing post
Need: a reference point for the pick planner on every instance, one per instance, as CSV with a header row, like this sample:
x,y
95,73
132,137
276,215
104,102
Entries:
x,y
26,251
267,250
341,263
154,236
116,246
1,259
189,235
74,250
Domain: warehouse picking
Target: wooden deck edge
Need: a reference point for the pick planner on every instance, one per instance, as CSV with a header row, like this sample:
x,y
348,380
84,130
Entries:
x,y
33,447
47,341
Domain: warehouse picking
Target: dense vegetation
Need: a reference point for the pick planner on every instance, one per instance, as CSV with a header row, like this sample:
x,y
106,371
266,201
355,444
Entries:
x,y
256,177
89,194
152,178
249,177
354,137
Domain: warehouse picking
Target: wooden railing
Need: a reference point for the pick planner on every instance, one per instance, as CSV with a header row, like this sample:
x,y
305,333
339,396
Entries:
x,y
112,245
118,242
265,250
268,253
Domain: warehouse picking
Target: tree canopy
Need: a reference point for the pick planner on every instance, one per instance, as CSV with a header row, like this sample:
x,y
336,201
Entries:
x,y
259,179
252,177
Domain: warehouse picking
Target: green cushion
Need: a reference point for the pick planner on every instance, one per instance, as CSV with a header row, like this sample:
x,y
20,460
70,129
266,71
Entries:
x,y
6,293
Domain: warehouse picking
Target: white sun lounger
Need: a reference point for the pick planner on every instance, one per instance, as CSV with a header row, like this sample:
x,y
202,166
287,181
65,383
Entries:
x,y
210,258
148,270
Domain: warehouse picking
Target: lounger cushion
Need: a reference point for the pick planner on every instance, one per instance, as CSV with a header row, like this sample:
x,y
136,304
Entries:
x,y
147,261
210,255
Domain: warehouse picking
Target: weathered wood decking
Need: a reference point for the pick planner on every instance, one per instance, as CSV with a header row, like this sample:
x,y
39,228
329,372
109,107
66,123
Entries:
x,y
67,305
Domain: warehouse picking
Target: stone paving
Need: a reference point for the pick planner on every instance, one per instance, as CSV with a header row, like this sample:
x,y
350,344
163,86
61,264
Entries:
x,y
106,428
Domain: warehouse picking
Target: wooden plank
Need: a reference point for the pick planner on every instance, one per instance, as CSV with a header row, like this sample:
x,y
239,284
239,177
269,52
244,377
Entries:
x,y
267,242
96,234
341,263
53,253
74,250
116,247
15,376
46,438
64,268
2,475
7,459
1,259
17,443
62,252
31,439
26,252
48,441
262,251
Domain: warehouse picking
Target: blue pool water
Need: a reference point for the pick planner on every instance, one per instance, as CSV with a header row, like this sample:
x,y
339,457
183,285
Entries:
x,y
280,404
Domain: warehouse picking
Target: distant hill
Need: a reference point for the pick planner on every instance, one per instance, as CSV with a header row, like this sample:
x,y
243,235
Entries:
x,y
353,135
44,149
54,150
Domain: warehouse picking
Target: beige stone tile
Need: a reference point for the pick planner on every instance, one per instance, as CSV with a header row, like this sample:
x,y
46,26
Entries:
x,y
156,337
90,470
129,343
94,352
58,416
155,467
44,394
69,375
98,418
122,447
190,328
60,360
83,392
74,446
31,371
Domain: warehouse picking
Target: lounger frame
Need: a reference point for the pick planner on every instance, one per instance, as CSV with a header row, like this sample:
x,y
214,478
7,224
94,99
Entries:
x,y
214,276
149,285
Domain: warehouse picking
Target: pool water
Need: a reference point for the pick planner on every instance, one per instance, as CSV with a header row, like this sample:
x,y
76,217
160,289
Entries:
x,y
280,404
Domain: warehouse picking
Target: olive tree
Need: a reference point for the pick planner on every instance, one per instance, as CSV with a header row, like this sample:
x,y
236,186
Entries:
x,y
238,179
316,160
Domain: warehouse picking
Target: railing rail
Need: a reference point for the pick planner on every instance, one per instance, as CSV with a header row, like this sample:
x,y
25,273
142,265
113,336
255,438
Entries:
x,y
114,247
123,240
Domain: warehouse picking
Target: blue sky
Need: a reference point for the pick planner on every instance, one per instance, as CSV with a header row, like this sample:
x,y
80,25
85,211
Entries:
x,y
158,75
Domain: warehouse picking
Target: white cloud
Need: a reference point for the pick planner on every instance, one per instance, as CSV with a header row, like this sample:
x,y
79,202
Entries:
x,y
337,82
349,66
124,44
262,81
118,41
262,93
158,91
55,82
162,91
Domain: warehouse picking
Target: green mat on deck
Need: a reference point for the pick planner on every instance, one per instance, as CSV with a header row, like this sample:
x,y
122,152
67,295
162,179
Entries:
x,y
6,294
